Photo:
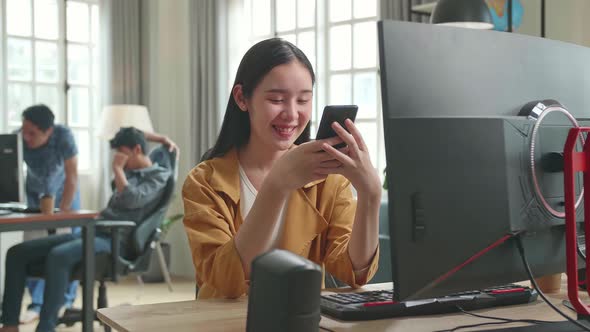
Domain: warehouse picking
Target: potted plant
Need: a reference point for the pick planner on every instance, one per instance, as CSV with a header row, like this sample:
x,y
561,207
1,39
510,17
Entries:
x,y
168,222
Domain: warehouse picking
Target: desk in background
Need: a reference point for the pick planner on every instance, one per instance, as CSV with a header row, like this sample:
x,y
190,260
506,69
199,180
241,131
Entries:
x,y
230,315
84,219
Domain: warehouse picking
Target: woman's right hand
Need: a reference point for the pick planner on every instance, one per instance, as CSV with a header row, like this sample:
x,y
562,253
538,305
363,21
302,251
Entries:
x,y
298,166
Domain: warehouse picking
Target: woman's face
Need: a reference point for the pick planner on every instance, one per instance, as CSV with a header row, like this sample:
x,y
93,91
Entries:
x,y
280,106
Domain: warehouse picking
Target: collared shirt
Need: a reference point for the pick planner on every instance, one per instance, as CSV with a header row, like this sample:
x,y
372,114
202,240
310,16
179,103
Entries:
x,y
317,225
140,197
45,167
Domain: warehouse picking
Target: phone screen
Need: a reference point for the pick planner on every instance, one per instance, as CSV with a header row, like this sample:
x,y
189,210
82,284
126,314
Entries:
x,y
335,113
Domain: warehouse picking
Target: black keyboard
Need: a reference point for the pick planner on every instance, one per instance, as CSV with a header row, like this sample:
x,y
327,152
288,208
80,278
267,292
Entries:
x,y
379,304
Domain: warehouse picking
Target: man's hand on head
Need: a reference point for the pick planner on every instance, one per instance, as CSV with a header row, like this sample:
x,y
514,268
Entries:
x,y
172,147
119,160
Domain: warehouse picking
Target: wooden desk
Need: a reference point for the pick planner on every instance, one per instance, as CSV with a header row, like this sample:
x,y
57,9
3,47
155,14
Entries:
x,y
84,219
230,315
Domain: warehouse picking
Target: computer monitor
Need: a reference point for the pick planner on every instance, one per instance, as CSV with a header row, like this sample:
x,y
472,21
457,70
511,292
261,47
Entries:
x,y
458,156
11,169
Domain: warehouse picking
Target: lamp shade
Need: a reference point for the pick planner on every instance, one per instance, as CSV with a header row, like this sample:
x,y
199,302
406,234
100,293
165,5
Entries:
x,y
474,14
114,117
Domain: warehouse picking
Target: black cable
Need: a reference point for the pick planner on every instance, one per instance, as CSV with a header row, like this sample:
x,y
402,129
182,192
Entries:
x,y
326,329
475,325
534,283
509,320
501,321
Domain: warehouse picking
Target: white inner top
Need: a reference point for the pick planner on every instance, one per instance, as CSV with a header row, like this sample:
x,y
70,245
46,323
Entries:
x,y
248,196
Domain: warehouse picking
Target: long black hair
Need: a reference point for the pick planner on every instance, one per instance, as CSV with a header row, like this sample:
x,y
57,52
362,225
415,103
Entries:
x,y
256,63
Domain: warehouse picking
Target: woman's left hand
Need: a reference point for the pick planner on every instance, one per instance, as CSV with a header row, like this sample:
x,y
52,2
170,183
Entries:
x,y
354,160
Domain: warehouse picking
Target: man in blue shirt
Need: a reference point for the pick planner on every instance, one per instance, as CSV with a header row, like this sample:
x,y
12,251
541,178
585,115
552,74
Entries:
x,y
139,186
50,154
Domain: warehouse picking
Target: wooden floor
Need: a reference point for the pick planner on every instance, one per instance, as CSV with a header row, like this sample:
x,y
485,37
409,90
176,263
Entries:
x,y
126,292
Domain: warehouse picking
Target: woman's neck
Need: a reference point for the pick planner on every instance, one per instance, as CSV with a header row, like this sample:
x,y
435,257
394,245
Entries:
x,y
257,162
251,156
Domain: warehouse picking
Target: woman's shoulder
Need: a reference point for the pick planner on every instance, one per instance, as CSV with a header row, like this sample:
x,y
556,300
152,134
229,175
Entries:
x,y
202,172
212,171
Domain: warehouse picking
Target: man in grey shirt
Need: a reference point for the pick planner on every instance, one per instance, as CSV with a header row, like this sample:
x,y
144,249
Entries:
x,y
139,183
139,186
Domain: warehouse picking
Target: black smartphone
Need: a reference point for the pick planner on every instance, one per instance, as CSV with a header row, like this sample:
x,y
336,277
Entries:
x,y
335,113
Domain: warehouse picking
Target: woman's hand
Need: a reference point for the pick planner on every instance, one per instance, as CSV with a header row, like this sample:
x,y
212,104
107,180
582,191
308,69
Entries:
x,y
302,165
355,162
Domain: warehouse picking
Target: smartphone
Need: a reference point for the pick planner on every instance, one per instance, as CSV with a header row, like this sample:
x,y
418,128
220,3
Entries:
x,y
335,113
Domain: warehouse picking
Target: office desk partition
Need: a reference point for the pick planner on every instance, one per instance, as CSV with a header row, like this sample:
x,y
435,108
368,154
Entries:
x,y
84,219
230,315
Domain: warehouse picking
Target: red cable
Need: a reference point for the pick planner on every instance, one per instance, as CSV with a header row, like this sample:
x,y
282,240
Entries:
x,y
474,257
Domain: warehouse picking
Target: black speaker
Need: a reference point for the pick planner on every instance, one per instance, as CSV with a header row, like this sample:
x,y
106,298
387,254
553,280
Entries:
x,y
284,293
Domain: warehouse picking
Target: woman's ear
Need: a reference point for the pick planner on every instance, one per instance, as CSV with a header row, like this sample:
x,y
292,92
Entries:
x,y
239,98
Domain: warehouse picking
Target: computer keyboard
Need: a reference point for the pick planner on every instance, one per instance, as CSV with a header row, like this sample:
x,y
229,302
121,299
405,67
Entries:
x,y
4,212
379,304
13,207
19,208
24,209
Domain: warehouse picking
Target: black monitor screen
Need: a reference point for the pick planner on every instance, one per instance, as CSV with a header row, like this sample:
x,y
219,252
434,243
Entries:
x,y
458,154
11,169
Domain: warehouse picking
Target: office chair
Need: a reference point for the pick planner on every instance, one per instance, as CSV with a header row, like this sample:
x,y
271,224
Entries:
x,y
139,245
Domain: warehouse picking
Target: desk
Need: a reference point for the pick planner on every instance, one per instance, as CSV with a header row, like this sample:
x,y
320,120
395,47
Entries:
x,y
84,219
230,315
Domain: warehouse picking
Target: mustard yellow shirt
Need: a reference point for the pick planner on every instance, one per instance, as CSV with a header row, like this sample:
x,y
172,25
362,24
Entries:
x,y
317,225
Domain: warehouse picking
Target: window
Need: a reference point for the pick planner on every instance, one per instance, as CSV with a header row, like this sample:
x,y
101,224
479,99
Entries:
x,y
50,56
340,39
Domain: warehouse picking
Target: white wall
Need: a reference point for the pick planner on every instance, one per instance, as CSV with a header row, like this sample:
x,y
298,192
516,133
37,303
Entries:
x,y
565,20
165,28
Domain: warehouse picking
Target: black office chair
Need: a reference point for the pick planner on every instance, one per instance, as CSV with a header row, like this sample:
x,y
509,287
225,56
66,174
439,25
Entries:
x,y
138,246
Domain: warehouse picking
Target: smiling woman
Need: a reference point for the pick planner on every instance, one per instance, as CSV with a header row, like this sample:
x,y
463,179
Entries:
x,y
265,185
